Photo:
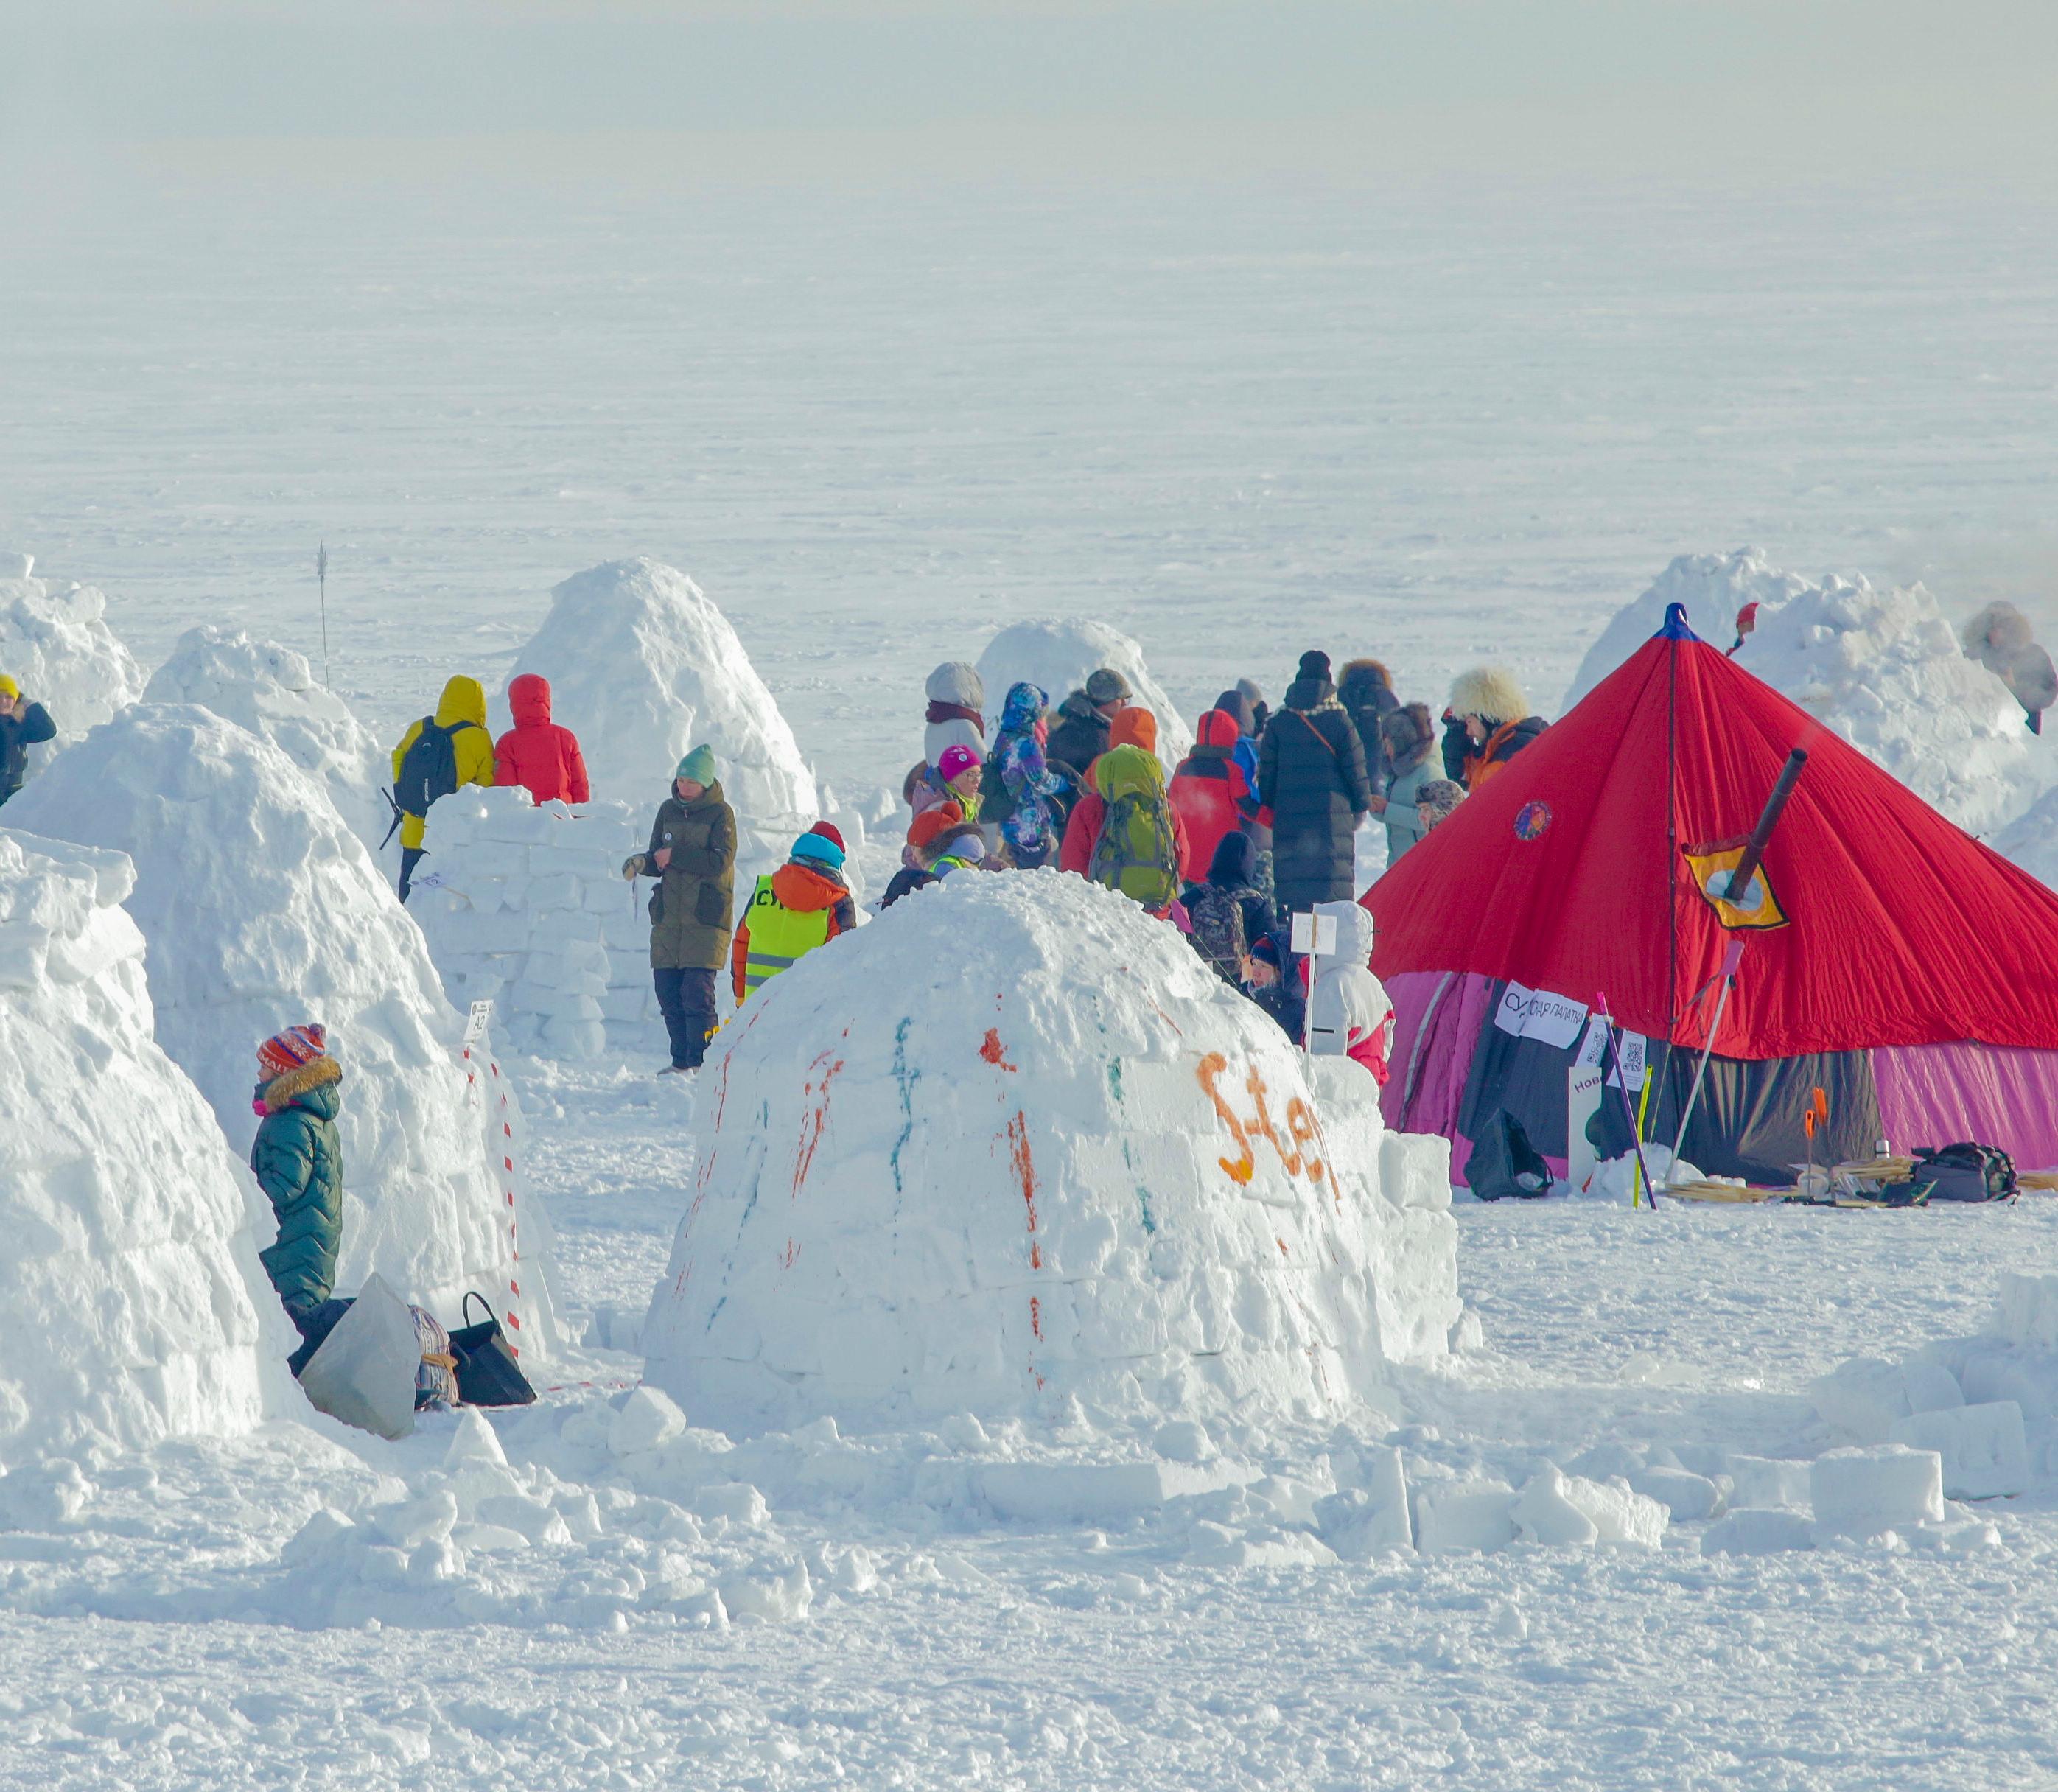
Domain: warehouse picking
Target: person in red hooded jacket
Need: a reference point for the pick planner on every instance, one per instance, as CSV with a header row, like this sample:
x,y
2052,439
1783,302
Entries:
x,y
536,753
1204,792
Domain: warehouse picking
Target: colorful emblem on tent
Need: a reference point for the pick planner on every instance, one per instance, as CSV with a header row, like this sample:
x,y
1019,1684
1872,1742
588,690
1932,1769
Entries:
x,y
1758,910
1532,820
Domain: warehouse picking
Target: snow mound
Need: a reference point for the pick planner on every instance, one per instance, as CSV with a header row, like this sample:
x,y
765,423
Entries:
x,y
642,667
1013,1145
132,1299
56,645
2031,839
1058,655
1883,668
262,909
272,691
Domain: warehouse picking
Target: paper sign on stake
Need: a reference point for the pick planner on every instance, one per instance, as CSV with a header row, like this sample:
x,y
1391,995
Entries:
x,y
475,1024
1314,936
1536,1013
1582,1101
1632,1049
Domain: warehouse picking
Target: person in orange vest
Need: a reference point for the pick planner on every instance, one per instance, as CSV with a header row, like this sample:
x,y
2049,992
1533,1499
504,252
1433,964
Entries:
x,y
803,904
1488,701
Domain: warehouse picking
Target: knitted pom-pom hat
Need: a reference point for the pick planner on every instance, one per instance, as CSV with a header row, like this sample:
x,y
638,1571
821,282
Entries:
x,y
289,1051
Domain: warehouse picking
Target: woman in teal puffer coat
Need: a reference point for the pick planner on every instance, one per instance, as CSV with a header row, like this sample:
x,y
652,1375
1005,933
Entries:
x,y
298,1157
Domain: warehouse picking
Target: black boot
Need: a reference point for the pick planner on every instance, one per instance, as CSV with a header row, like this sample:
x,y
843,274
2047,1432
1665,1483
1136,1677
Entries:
x,y
410,857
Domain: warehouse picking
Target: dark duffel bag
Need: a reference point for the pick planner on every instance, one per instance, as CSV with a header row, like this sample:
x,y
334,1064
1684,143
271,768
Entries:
x,y
1504,1162
1964,1173
488,1374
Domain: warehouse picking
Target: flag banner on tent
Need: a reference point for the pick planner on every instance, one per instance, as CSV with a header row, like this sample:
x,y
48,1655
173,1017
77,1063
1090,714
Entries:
x,y
1759,910
1536,1013
1630,1051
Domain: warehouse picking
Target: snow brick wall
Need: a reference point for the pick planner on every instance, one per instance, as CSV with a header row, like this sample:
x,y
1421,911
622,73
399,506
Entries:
x,y
1883,668
1060,655
1013,1144
132,1299
272,691
262,909
56,645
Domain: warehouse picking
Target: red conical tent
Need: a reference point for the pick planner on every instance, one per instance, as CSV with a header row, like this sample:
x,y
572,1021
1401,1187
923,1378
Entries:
x,y
1916,978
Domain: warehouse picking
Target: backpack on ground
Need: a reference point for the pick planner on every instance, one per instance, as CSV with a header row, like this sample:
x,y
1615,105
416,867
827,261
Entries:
x,y
428,770
1964,1173
1219,936
1504,1162
1137,852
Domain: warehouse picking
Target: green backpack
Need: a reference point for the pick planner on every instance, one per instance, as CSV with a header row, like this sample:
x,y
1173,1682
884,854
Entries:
x,y
1136,852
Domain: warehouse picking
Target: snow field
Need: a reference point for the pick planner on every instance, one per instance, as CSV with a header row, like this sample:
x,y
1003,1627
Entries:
x,y
1060,656
262,910
131,1297
1012,1146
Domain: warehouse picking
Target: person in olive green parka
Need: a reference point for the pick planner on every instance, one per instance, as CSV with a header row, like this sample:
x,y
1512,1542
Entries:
x,y
693,912
298,1159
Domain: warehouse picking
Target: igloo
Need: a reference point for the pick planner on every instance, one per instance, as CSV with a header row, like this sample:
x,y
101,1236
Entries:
x,y
642,667
1884,669
262,909
56,645
1058,656
131,1297
272,691
1014,1143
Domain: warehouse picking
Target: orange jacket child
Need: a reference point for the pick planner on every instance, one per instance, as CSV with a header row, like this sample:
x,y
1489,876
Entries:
x,y
803,904
536,752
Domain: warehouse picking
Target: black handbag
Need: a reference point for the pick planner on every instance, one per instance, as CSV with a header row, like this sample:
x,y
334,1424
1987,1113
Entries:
x,y
488,1374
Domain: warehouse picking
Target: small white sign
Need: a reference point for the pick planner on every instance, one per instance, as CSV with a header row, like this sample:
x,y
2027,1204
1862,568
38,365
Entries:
x,y
1582,1100
1315,935
1631,1048
1536,1013
475,1024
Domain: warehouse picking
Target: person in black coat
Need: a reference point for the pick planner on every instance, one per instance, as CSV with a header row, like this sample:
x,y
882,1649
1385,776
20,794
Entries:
x,y
1366,692
1311,775
23,724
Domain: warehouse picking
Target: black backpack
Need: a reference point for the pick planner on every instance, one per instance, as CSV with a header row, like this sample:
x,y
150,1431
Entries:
x,y
1504,1162
429,769
1964,1172
1219,935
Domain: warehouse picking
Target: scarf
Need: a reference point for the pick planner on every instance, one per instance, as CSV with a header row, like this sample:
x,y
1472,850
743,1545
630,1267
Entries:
x,y
955,712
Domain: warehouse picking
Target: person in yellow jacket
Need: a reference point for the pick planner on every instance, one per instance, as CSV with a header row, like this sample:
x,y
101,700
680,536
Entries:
x,y
803,904
438,755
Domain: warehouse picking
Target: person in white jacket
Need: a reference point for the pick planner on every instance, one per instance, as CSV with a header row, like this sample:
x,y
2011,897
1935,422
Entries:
x,y
1349,1015
956,713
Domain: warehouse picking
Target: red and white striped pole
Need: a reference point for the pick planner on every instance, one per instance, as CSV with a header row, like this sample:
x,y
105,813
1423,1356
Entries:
x,y
474,1032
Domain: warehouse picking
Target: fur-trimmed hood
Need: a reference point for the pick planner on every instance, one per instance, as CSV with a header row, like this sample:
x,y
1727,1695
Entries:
x,y
1490,692
1409,735
303,1080
1370,675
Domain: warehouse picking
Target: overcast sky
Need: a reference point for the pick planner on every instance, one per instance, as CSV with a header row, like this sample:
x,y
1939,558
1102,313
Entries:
x,y
1971,82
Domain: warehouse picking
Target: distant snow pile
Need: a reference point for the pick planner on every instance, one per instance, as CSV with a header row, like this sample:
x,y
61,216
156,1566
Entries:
x,y
642,667
262,910
1884,669
132,1299
272,691
1013,1144
56,645
1060,655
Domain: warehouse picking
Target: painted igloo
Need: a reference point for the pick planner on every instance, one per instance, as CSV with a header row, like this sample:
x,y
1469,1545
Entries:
x,y
262,909
1014,1143
272,691
1884,670
131,1297
1058,655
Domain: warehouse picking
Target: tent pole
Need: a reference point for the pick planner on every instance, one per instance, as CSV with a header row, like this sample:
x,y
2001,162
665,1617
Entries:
x,y
1730,960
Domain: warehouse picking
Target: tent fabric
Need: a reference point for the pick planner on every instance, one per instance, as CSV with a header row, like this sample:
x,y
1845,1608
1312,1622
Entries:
x,y
1565,873
1946,1095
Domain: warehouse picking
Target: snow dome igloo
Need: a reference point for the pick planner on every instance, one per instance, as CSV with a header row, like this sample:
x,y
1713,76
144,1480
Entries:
x,y
131,1297
56,645
272,691
262,910
642,667
1883,668
1058,655
1013,1143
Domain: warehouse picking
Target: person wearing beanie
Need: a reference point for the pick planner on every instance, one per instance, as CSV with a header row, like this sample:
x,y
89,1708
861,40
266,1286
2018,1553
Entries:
x,y
1311,775
1079,736
962,770
956,716
925,840
297,1158
1204,792
1024,795
438,756
23,724
831,833
962,847
537,754
1437,801
1487,703
803,904
1410,739
692,854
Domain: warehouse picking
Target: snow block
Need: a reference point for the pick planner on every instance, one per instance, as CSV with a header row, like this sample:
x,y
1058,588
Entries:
x,y
1555,1507
1759,1480
1463,1515
1757,1531
1930,1387
1985,1452
364,1372
2028,1310
1011,1143
1861,1492
1358,1523
1107,1493
1688,1498
1863,1398
646,1420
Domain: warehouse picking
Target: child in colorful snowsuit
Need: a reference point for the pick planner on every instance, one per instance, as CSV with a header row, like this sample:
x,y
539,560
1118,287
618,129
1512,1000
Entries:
x,y
1020,792
803,904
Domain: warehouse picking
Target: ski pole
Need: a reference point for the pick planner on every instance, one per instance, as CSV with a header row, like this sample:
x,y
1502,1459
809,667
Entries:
x,y
1611,1069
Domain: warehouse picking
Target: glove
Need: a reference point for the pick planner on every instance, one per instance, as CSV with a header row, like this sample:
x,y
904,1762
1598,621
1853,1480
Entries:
x,y
632,867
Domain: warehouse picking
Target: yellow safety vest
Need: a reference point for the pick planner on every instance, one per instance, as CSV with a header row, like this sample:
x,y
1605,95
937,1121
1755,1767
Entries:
x,y
780,936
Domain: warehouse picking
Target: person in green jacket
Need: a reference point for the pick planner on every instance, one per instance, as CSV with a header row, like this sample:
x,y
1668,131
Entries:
x,y
693,911
298,1159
